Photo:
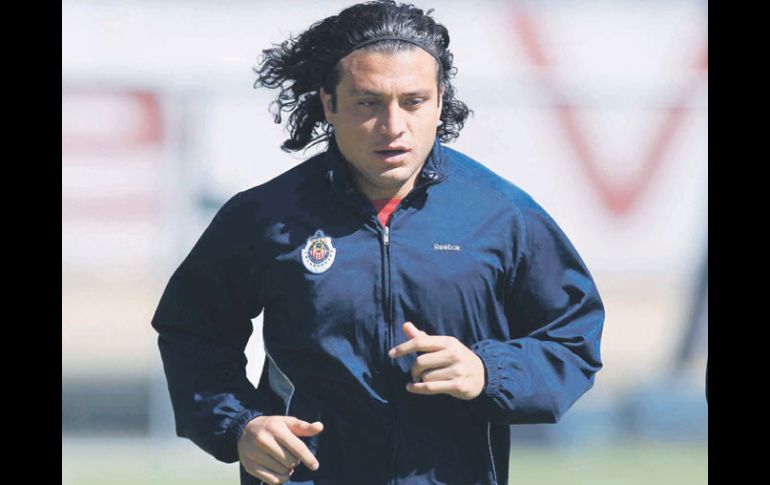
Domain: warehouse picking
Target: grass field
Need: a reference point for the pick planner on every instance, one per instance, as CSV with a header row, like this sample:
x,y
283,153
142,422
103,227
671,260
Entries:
x,y
139,462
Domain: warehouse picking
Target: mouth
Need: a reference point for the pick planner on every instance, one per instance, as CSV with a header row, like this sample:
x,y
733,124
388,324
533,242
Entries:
x,y
392,156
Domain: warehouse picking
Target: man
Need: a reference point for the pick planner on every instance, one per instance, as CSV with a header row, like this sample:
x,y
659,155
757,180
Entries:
x,y
415,303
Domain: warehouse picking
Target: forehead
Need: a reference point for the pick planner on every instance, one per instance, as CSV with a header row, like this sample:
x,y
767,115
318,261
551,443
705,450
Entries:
x,y
412,69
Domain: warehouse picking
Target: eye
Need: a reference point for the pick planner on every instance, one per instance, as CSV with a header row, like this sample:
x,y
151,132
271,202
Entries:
x,y
415,102
367,102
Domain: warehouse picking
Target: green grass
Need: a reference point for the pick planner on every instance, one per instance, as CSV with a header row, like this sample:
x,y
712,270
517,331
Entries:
x,y
139,462
632,464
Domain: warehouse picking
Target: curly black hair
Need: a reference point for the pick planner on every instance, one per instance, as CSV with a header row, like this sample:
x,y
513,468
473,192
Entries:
x,y
303,64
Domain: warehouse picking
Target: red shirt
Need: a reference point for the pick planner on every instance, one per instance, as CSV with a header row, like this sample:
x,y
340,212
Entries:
x,y
385,208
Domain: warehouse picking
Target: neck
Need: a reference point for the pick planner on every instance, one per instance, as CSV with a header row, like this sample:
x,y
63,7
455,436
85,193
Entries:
x,y
373,192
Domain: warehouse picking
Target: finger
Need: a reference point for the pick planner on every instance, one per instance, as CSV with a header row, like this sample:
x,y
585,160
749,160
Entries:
x,y
296,447
429,361
424,343
411,330
443,374
267,475
271,463
266,442
434,387
303,428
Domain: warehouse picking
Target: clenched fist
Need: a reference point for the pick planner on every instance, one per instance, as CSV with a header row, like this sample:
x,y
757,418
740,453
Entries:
x,y
269,447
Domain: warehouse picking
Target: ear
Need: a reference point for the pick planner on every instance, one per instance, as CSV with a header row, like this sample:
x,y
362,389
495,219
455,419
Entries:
x,y
441,98
326,102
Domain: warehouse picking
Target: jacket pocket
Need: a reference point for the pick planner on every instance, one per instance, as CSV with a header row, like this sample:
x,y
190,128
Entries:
x,y
442,443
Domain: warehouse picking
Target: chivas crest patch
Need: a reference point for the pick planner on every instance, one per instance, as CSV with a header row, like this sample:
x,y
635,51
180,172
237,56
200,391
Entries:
x,y
318,254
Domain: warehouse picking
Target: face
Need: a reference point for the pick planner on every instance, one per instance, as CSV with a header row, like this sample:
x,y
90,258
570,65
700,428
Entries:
x,y
388,108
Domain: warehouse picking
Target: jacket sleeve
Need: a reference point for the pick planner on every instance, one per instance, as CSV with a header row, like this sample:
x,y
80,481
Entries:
x,y
555,319
203,322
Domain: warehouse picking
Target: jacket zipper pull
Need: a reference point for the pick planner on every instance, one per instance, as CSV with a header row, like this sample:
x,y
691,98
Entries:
x,y
386,236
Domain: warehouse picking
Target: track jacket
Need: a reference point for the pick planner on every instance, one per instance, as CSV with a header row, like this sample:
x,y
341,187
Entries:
x,y
466,254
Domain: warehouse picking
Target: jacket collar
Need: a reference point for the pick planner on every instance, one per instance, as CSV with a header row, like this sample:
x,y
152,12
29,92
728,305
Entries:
x,y
340,178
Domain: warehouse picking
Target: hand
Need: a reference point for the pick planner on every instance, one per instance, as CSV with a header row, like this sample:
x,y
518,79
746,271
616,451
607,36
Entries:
x,y
446,367
269,447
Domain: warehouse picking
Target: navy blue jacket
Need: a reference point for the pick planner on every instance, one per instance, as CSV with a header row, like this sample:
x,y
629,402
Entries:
x,y
466,254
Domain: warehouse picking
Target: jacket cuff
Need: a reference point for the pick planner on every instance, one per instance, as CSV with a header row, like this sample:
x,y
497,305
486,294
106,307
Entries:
x,y
484,402
236,427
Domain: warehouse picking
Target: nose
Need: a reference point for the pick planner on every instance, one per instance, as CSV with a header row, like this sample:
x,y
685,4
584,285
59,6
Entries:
x,y
392,122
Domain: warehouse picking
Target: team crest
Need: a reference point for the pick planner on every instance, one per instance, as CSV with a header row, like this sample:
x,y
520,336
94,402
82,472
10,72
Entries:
x,y
318,254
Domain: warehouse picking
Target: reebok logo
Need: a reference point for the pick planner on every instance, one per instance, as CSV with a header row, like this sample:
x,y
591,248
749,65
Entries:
x,y
446,247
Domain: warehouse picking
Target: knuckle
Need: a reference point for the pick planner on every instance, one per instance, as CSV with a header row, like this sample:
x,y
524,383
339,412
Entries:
x,y
289,461
279,468
459,386
262,438
270,427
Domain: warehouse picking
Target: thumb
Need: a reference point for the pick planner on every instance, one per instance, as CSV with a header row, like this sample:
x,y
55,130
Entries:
x,y
411,331
303,428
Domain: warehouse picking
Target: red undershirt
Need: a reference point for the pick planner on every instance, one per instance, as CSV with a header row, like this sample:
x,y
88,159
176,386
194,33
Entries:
x,y
385,208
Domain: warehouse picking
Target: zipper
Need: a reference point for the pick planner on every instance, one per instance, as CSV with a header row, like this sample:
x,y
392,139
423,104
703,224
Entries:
x,y
388,289
388,314
386,284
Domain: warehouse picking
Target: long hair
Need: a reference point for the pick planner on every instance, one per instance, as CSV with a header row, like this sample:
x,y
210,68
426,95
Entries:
x,y
303,64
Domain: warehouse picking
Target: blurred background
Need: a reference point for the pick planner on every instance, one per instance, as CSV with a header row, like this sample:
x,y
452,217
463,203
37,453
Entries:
x,y
597,108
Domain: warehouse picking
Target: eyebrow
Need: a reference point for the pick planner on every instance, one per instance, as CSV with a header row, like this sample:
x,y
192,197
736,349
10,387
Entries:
x,y
356,92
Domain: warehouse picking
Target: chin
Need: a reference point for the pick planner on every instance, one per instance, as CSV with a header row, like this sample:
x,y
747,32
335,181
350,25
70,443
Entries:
x,y
389,179
400,173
